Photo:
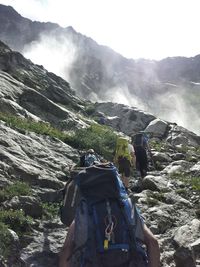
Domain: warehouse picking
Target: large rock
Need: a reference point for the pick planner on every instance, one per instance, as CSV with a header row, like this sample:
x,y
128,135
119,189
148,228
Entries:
x,y
14,250
196,168
157,127
123,118
177,167
154,183
181,136
173,198
186,239
30,205
187,234
34,159
45,245
161,157
160,219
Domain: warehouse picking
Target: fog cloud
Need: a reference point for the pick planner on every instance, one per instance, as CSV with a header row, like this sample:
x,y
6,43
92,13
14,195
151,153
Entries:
x,y
122,95
55,54
58,55
176,107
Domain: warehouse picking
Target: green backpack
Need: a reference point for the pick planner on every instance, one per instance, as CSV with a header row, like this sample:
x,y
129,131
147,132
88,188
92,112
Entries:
x,y
122,150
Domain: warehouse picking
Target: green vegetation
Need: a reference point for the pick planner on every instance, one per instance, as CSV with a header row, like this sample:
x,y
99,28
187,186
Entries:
x,y
195,182
191,153
50,210
188,180
16,220
158,165
197,150
5,235
153,198
151,201
13,219
90,109
190,158
101,138
29,125
17,189
183,149
158,145
181,191
159,196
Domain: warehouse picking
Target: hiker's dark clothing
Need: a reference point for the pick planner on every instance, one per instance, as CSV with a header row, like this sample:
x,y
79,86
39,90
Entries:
x,y
140,144
124,166
141,160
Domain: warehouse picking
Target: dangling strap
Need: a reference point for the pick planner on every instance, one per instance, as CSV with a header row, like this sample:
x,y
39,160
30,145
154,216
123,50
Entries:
x,y
74,196
131,228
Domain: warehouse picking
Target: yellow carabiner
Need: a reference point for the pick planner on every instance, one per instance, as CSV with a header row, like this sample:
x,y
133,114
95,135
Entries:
x,y
105,244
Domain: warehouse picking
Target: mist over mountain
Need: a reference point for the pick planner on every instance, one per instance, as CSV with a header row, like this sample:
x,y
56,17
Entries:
x,y
170,88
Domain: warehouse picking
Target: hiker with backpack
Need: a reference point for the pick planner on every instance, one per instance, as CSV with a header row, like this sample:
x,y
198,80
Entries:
x,y
107,230
140,144
88,158
69,194
124,159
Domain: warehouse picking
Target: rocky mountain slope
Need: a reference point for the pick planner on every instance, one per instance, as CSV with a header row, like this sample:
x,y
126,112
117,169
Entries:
x,y
169,88
40,113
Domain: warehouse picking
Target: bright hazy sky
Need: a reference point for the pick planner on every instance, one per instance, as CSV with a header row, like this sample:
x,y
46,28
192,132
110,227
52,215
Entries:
x,y
152,29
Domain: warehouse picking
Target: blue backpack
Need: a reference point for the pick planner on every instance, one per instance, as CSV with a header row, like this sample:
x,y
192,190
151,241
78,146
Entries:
x,y
140,140
105,222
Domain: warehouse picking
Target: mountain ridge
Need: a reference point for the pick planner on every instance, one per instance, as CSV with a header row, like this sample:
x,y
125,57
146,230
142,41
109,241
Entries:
x,y
167,88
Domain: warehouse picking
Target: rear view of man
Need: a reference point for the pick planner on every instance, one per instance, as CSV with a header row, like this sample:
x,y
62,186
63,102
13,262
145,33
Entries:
x,y
140,143
124,159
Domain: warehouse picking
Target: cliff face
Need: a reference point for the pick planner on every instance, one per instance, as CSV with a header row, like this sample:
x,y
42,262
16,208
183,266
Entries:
x,y
34,165
168,88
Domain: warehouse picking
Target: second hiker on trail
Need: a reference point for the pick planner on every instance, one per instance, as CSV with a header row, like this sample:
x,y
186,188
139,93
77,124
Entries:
x,y
140,143
89,158
124,159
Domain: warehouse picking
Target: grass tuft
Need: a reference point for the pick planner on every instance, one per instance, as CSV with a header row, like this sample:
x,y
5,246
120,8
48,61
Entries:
x,y
17,189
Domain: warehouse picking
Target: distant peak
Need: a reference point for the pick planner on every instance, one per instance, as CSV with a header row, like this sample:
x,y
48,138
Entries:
x,y
70,29
9,11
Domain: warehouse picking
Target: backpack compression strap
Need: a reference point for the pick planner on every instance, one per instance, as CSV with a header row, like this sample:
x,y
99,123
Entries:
x,y
131,227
